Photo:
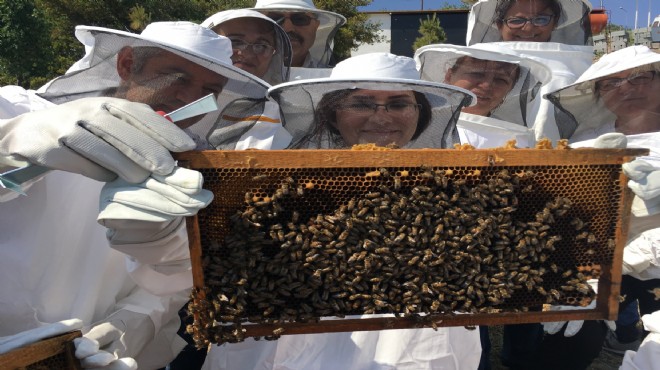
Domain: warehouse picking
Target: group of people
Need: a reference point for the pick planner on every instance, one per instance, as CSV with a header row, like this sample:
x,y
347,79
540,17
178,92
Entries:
x,y
100,242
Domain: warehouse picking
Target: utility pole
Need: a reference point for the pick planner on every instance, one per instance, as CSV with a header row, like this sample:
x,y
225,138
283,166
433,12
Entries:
x,y
422,4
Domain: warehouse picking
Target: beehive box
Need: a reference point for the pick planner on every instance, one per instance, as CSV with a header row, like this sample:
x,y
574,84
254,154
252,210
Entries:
x,y
48,354
404,238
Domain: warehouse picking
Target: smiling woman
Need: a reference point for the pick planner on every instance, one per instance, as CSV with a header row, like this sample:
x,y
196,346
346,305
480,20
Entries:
x,y
372,98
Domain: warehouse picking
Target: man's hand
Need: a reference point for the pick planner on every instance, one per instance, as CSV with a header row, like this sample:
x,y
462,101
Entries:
x,y
111,343
100,138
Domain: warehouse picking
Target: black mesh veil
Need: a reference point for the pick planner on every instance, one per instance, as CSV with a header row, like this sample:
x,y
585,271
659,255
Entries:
x,y
299,107
96,73
433,62
573,26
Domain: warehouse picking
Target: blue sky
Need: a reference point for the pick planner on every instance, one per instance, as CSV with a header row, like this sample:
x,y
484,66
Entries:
x,y
625,16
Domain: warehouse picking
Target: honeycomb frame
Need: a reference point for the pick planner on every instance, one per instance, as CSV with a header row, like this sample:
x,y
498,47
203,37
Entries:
x,y
232,174
51,353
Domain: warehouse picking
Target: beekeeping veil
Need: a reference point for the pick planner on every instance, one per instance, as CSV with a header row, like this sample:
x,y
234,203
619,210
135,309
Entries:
x,y
299,100
96,73
573,26
321,50
278,70
580,101
433,62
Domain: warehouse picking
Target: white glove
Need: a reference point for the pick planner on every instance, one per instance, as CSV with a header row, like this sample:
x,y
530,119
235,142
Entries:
x,y
645,183
112,343
100,138
157,199
28,337
573,327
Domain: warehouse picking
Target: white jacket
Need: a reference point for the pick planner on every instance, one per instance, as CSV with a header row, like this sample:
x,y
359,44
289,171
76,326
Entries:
x,y
55,261
648,353
451,348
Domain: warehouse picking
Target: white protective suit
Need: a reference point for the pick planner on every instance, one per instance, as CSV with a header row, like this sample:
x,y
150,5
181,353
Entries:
x,y
647,355
448,347
568,54
56,263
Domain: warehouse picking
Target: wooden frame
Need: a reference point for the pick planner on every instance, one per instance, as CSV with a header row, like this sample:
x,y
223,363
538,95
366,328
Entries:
x,y
610,279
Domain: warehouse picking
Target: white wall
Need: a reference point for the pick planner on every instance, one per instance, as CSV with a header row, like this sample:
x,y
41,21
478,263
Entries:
x,y
385,20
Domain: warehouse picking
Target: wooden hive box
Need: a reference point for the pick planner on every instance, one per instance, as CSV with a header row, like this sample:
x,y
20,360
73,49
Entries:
x,y
404,238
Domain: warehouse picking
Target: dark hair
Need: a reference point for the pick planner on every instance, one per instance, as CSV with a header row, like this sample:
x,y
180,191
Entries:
x,y
503,7
326,112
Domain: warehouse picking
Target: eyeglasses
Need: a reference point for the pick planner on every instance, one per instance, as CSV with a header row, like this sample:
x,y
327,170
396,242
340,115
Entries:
x,y
368,108
520,22
637,79
256,49
297,19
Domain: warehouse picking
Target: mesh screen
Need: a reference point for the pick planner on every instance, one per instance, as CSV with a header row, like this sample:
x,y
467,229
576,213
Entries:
x,y
288,244
574,26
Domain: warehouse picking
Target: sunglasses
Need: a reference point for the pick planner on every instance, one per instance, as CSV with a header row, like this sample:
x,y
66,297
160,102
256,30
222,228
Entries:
x,y
297,19
520,22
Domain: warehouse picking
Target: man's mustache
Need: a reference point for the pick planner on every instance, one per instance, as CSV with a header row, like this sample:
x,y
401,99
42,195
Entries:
x,y
294,36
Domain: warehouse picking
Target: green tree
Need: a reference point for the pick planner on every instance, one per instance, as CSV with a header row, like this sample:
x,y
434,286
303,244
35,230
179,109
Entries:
x,y
24,42
467,4
431,32
357,29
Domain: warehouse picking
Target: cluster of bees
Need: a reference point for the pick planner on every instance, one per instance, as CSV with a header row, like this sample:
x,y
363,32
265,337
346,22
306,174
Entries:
x,y
413,244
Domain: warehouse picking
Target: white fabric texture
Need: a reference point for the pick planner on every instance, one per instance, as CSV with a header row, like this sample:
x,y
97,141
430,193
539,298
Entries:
x,y
450,348
57,265
647,355
488,132
99,138
123,334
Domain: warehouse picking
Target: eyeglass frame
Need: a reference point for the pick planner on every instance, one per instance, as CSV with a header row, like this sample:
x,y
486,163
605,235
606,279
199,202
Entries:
x,y
373,107
246,45
279,18
531,21
618,82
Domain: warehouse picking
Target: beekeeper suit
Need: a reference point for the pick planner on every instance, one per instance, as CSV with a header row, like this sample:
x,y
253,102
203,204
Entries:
x,y
646,356
594,123
446,348
317,53
568,53
488,131
56,262
254,123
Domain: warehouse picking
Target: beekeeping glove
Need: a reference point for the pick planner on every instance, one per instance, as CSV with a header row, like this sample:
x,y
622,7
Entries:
x,y
157,199
28,337
112,343
644,181
573,327
100,138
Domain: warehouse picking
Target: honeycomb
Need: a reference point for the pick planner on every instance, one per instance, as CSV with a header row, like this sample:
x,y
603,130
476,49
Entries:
x,y
290,245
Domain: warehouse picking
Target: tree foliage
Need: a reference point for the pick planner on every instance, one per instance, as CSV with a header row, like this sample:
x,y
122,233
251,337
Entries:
x,y
24,40
37,40
431,32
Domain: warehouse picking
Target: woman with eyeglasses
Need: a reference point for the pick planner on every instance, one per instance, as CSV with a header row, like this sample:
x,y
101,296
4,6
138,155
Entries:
x,y
620,94
556,33
260,46
369,99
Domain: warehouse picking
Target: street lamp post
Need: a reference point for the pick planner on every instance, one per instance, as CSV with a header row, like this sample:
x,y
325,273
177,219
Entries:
x,y
626,13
